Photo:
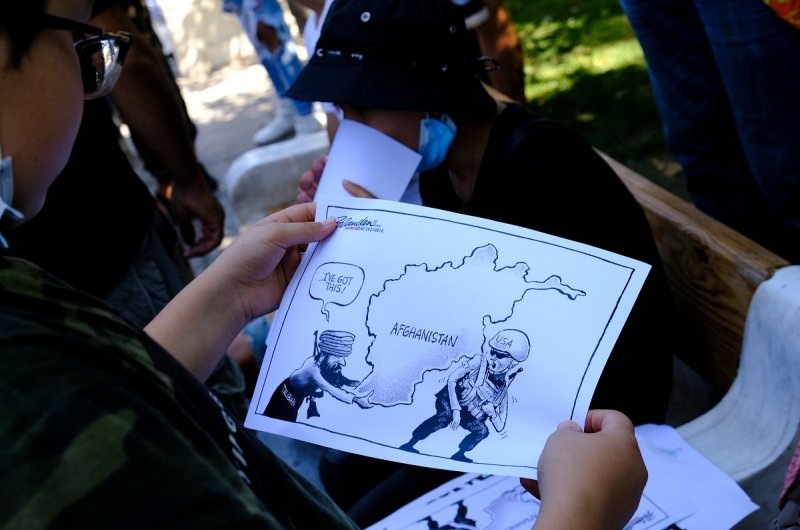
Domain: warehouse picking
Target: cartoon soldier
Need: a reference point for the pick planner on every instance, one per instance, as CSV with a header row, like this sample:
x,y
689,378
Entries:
x,y
320,373
477,390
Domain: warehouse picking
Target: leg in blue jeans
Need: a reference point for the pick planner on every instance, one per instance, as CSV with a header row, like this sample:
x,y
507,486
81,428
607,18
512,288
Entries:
x,y
725,75
282,62
283,68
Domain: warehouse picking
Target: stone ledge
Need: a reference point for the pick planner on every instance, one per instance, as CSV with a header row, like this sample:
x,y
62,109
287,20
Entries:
x,y
266,177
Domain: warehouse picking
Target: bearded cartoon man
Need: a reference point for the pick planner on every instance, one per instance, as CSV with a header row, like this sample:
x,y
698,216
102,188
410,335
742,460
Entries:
x,y
320,373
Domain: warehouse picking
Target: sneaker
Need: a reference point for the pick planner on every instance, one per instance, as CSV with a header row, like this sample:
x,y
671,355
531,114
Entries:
x,y
307,124
280,128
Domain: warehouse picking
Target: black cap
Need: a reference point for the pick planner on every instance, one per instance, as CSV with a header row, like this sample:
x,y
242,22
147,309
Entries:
x,y
396,55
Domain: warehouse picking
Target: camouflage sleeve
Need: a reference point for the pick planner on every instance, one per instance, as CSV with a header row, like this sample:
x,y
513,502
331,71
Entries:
x,y
101,428
108,457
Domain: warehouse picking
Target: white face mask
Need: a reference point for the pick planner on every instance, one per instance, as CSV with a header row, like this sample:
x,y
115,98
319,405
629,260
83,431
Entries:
x,y
7,194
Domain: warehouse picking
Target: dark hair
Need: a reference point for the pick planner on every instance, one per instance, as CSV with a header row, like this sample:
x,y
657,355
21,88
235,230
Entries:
x,y
19,23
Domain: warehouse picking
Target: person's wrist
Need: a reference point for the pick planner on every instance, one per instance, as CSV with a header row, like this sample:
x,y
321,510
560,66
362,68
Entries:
x,y
566,513
227,294
188,176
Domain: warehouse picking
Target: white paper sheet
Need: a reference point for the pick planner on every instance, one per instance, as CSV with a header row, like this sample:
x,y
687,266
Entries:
x,y
371,159
683,489
424,291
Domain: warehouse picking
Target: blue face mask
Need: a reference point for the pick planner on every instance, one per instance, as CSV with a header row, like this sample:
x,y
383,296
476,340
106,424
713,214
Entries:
x,y
6,195
435,137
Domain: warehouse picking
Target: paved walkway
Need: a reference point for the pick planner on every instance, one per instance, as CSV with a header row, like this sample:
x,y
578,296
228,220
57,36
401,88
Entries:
x,y
228,106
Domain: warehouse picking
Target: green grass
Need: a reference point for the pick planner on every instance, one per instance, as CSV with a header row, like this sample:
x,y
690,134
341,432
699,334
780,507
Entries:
x,y
584,67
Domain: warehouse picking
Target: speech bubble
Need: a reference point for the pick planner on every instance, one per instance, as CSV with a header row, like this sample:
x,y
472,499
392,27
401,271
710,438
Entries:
x,y
336,283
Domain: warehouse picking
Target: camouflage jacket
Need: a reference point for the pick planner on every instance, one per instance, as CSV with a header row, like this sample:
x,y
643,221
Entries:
x,y
101,428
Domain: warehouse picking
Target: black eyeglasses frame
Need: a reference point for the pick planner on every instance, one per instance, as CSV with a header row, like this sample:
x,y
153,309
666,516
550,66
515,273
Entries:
x,y
55,22
122,39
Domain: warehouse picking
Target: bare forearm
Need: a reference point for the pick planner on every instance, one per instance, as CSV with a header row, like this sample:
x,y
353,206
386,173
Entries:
x,y
199,324
149,103
246,281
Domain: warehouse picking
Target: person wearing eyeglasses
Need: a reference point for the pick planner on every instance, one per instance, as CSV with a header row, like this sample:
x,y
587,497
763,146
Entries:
x,y
100,213
107,425
101,229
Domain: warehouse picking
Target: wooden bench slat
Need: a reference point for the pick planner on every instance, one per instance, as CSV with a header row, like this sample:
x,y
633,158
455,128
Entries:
x,y
713,272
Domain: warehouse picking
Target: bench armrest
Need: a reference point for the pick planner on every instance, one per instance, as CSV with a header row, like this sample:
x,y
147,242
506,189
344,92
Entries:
x,y
758,417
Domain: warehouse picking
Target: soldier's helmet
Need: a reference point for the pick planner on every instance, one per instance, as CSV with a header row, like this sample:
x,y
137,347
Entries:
x,y
513,342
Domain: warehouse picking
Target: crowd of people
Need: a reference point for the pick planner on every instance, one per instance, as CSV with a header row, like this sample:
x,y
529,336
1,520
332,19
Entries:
x,y
121,389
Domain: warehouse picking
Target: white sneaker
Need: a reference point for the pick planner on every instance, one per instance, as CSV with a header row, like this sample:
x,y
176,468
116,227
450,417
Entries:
x,y
307,124
281,127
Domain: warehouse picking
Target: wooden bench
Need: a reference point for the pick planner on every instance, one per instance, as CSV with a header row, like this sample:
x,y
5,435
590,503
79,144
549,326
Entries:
x,y
740,306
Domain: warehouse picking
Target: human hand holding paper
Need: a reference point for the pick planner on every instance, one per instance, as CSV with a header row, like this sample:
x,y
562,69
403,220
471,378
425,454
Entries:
x,y
307,185
423,310
376,164
682,488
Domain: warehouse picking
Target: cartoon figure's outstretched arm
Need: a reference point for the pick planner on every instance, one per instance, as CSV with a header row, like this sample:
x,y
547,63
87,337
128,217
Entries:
x,y
340,393
350,382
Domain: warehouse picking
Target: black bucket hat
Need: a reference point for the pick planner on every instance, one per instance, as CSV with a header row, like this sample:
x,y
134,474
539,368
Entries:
x,y
396,55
